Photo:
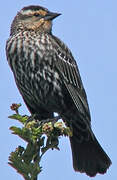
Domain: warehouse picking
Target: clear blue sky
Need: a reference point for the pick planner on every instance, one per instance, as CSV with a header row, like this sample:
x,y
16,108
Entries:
x,y
89,28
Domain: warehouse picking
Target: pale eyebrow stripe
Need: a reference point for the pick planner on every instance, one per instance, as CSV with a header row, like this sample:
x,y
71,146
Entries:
x,y
27,12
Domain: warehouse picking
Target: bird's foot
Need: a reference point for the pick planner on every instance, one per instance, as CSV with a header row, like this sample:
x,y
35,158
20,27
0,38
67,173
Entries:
x,y
52,120
33,117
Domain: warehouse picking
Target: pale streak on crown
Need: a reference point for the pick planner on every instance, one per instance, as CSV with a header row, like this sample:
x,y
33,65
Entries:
x,y
27,12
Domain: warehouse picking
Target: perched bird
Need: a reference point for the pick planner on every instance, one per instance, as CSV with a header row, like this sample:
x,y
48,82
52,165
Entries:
x,y
49,81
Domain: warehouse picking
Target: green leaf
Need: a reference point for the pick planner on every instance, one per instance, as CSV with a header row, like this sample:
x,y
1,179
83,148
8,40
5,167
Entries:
x,y
18,117
24,133
39,137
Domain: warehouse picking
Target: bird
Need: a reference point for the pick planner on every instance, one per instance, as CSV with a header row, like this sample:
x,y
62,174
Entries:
x,y
49,81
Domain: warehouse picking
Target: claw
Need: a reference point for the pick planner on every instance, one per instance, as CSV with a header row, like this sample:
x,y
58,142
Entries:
x,y
53,120
41,122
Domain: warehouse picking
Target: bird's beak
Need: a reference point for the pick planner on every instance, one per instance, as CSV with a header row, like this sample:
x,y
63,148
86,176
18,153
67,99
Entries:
x,y
51,16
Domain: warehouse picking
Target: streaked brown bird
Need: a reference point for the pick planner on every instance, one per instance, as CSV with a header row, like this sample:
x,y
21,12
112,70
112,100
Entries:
x,y
49,81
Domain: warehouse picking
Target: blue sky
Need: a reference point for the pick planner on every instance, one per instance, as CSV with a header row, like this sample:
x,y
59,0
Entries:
x,y
89,28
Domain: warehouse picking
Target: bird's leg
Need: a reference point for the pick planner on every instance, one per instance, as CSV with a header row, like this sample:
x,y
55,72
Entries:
x,y
53,120
33,117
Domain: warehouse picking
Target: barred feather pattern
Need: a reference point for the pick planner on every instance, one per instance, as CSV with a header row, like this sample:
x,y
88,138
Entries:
x,y
31,59
49,81
38,62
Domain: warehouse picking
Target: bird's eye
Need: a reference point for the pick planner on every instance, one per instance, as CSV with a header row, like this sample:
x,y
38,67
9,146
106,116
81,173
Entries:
x,y
36,14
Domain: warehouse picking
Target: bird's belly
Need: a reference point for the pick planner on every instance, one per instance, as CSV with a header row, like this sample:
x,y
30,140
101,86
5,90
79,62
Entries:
x,y
41,88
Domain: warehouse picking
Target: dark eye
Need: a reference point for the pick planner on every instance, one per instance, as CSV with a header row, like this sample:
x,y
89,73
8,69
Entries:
x,y
36,14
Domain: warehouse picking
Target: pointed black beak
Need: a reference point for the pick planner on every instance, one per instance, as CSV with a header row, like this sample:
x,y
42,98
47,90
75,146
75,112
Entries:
x,y
51,15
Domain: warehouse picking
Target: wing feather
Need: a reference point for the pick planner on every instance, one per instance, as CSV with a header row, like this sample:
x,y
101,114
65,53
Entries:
x,y
71,77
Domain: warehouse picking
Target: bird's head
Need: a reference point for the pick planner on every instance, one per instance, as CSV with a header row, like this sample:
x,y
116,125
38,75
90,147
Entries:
x,y
35,18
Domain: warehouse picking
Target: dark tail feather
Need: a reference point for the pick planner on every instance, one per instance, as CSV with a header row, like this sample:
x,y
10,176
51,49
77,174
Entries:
x,y
89,157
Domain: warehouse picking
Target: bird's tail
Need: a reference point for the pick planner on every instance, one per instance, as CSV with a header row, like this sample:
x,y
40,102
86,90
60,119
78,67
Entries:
x,y
89,157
